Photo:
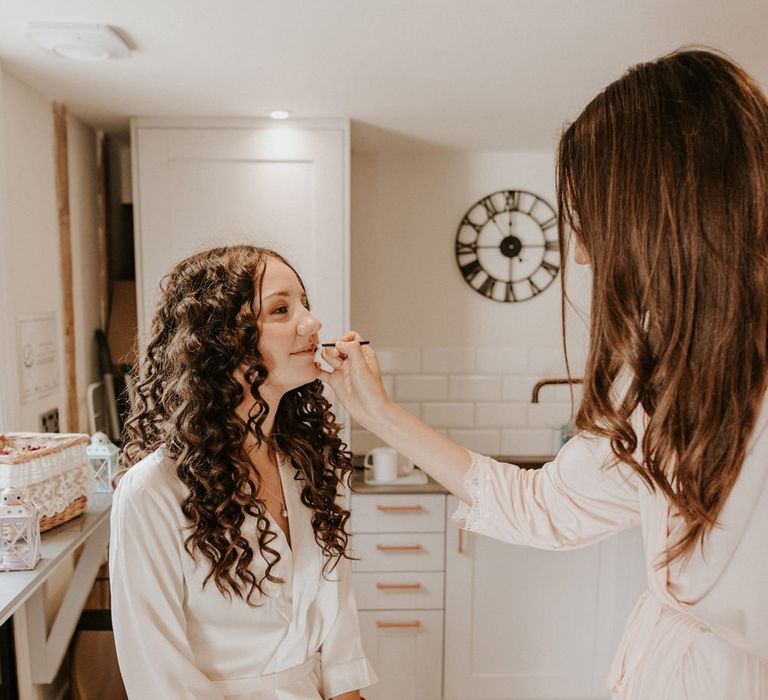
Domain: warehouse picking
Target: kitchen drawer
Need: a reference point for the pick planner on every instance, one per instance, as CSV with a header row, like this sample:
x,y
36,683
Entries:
x,y
406,649
406,551
399,591
413,512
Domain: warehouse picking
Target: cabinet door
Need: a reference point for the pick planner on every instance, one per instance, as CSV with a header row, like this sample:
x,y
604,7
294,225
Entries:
x,y
402,590
405,649
525,623
203,184
406,551
416,512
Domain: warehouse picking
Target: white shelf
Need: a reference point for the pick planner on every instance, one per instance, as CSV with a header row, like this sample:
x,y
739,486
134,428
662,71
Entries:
x,y
16,587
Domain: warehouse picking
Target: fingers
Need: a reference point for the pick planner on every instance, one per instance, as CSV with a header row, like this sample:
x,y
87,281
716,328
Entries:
x,y
338,352
350,348
362,357
333,357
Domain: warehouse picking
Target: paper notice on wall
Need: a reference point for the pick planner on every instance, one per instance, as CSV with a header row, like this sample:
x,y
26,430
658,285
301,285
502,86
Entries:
x,y
38,356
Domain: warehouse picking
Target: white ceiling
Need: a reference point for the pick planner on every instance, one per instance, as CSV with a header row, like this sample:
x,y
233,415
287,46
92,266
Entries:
x,y
463,74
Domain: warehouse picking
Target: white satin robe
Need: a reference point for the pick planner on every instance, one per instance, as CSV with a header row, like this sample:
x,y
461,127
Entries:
x,y
176,639
700,631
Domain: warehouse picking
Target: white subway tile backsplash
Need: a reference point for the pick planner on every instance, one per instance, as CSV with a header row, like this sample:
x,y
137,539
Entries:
x,y
577,364
421,387
529,442
549,362
502,361
448,415
562,393
474,388
448,360
486,442
548,415
399,360
479,397
361,441
518,388
412,407
497,414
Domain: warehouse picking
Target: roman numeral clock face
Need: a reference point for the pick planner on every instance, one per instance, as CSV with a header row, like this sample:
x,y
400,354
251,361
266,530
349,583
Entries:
x,y
507,247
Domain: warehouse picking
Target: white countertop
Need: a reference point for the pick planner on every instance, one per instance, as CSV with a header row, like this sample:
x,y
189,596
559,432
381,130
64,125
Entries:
x,y
57,544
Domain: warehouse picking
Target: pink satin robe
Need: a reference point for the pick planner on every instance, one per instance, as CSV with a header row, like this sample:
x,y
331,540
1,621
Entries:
x,y
700,631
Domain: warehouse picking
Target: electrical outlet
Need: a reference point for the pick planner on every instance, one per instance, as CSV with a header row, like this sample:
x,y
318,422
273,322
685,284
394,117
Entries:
x,y
49,421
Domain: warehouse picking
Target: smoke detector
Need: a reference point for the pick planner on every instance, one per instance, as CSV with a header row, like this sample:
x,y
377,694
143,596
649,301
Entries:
x,y
78,42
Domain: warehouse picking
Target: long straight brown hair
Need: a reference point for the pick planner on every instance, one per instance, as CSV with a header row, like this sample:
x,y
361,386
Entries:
x,y
663,180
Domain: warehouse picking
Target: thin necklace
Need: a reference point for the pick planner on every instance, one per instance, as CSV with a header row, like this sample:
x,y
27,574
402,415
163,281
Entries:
x,y
284,511
281,501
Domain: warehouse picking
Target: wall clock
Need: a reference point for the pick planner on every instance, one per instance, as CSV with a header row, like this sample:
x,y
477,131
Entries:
x,y
507,247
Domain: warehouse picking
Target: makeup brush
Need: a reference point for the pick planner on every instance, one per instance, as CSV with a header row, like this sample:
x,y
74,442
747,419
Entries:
x,y
333,345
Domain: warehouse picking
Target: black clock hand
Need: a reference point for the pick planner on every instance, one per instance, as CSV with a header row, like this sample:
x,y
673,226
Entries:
x,y
496,224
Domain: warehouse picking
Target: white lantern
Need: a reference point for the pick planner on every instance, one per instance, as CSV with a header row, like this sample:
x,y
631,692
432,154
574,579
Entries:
x,y
103,456
19,532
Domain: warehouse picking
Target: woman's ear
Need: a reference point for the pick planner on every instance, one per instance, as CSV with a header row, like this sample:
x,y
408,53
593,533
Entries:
x,y
580,254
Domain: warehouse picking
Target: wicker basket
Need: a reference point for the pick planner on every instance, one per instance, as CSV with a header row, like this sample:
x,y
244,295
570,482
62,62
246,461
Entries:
x,y
75,508
56,476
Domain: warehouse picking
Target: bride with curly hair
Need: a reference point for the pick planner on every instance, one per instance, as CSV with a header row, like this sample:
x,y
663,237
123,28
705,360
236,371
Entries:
x,y
228,560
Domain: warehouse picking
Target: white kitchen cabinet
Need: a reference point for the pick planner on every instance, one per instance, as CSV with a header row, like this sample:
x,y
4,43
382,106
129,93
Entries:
x,y
525,623
405,647
399,587
203,183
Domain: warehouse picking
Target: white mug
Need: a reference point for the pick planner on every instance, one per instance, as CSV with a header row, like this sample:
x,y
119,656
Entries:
x,y
405,466
383,462
387,463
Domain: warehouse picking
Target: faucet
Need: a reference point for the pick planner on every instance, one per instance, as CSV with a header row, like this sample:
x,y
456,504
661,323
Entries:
x,y
544,382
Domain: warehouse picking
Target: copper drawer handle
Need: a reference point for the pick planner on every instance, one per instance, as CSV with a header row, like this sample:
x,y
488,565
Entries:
x,y
416,624
390,509
398,586
399,548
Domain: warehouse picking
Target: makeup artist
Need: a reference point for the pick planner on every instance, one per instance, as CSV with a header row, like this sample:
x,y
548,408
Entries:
x,y
663,189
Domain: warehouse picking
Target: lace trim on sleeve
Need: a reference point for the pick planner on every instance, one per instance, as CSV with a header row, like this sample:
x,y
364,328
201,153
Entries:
x,y
473,516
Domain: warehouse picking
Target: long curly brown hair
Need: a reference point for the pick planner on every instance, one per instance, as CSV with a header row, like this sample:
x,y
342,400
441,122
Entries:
x,y
185,395
664,180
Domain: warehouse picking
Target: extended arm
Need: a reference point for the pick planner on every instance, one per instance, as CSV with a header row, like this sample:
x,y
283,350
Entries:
x,y
577,499
356,381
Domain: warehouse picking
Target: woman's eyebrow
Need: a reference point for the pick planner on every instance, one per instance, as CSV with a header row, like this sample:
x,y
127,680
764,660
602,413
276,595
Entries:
x,y
277,294
283,294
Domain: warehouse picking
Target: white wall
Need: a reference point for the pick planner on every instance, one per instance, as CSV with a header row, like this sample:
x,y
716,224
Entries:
x,y
30,275
29,264
461,362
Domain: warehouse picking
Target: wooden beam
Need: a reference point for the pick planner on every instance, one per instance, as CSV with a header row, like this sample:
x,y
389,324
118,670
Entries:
x,y
65,252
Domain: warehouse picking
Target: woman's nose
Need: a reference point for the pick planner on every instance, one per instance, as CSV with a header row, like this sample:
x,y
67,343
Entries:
x,y
308,325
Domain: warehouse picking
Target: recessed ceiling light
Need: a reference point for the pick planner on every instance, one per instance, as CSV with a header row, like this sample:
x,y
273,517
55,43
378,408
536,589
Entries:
x,y
280,114
79,42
